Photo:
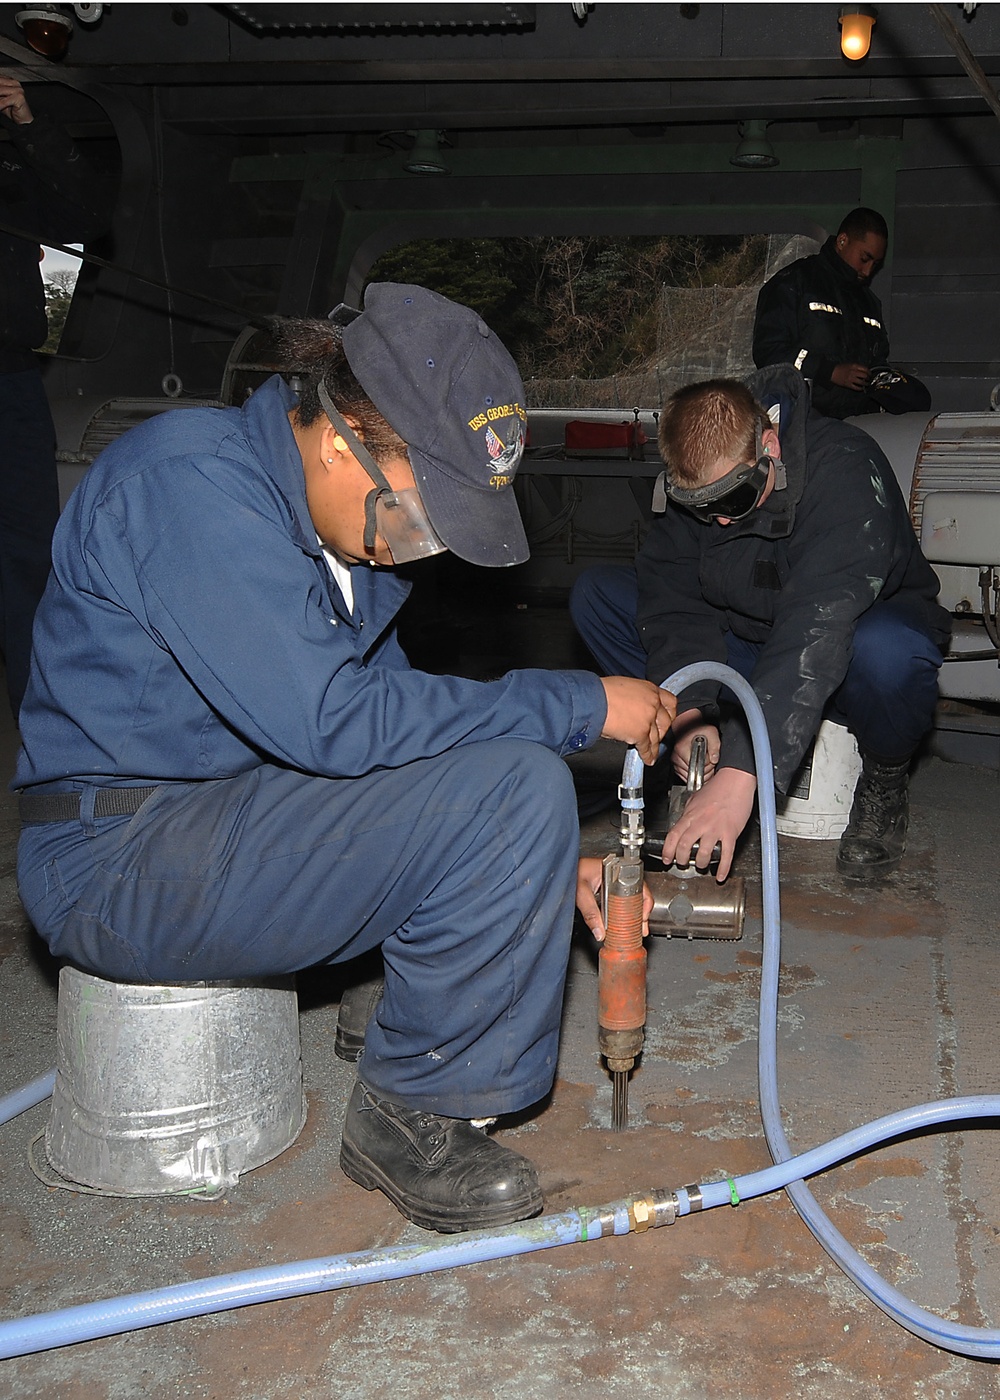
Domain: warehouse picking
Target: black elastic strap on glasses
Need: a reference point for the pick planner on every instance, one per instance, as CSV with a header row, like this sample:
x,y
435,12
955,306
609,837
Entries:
x,y
364,457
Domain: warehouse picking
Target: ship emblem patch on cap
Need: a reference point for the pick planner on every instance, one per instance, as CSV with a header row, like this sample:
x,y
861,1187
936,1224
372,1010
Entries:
x,y
504,438
505,455
445,383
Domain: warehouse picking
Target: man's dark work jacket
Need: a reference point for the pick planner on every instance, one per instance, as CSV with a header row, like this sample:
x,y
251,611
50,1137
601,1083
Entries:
x,y
47,190
794,576
192,628
816,314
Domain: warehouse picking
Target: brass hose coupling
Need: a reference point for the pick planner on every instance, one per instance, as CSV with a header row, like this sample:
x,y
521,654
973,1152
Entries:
x,y
652,1211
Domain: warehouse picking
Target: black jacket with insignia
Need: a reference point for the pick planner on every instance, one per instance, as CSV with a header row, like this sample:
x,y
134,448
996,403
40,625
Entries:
x,y
47,190
795,575
816,314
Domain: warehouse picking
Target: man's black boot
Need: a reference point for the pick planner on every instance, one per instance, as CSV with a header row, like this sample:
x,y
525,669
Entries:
x,y
442,1173
357,1006
875,838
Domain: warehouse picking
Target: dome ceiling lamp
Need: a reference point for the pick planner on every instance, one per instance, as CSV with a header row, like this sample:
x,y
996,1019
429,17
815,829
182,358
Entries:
x,y
47,28
755,151
856,22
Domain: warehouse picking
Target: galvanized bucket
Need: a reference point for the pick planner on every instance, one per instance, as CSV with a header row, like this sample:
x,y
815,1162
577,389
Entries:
x,y
166,1090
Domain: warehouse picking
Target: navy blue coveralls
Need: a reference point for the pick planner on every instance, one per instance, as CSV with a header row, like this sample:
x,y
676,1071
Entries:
x,y
314,796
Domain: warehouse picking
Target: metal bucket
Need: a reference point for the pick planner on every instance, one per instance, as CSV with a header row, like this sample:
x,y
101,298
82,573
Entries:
x,y
164,1090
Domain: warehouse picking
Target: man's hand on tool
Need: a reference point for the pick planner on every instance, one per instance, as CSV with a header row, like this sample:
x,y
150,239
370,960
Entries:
x,y
717,812
589,875
13,102
686,728
639,712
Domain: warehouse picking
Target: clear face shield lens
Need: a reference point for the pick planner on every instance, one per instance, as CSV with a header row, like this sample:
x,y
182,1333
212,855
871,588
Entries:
x,y
401,520
398,516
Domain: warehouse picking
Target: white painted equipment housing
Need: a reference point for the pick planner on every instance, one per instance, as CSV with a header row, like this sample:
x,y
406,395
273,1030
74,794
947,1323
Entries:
x,y
948,467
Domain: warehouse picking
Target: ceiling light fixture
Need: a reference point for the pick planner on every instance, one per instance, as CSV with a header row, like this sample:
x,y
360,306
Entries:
x,y
47,28
425,157
755,151
856,30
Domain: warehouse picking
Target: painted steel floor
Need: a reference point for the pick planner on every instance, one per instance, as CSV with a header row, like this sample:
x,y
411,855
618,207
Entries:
x,y
888,998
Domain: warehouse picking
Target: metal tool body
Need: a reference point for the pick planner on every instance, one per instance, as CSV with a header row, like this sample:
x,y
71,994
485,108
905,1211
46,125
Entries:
x,y
696,908
687,902
621,979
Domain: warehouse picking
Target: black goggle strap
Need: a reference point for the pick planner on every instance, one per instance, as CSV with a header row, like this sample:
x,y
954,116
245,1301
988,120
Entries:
x,y
366,459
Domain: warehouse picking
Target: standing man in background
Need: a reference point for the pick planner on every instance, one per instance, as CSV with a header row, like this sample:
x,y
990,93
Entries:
x,y
46,190
820,315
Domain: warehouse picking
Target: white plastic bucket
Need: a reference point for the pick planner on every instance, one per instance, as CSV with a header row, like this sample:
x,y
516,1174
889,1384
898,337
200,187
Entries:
x,y
818,805
162,1090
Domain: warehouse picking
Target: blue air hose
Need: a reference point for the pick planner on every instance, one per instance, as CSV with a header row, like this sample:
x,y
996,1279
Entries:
x,y
970,1341
110,1317
27,1096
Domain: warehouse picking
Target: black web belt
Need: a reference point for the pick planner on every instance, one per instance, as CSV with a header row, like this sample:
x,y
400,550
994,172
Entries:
x,y
36,807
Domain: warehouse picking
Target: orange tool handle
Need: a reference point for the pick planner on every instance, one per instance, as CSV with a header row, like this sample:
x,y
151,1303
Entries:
x,y
621,982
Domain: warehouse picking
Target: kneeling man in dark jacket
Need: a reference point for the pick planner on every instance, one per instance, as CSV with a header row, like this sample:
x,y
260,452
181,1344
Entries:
x,y
783,549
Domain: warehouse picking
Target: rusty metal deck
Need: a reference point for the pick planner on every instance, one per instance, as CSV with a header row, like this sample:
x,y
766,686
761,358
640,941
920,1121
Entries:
x,y
887,998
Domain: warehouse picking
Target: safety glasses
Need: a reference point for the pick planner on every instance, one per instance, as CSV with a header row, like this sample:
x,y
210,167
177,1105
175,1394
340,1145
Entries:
x,y
402,521
730,498
398,516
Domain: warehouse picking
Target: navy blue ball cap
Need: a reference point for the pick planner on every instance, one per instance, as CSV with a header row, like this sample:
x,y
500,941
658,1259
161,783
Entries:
x,y
445,383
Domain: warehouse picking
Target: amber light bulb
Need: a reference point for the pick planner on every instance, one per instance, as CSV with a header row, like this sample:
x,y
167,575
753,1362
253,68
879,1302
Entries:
x,y
46,30
856,32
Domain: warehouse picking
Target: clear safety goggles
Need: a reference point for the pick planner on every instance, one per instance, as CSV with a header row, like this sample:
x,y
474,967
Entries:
x,y
402,521
400,517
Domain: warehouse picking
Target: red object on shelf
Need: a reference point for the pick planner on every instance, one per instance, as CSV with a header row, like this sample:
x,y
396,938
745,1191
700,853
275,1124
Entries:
x,y
584,436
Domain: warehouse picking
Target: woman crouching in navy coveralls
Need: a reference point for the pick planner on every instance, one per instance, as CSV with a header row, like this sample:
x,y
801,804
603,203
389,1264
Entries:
x,y
229,769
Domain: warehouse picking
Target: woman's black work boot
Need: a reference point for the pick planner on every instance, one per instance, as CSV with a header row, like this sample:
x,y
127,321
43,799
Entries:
x,y
875,838
357,1006
442,1173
